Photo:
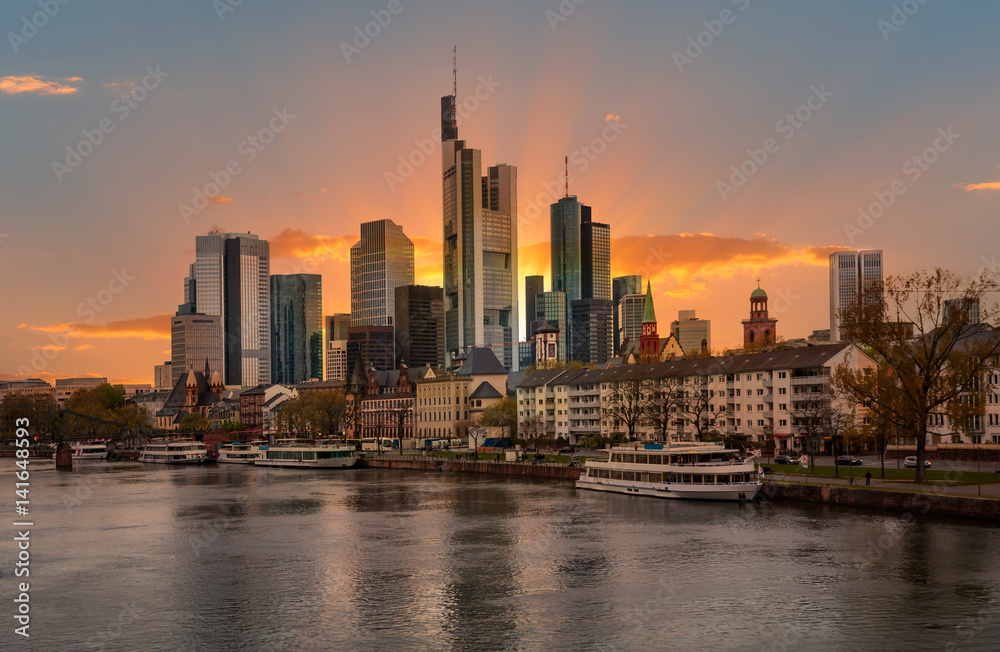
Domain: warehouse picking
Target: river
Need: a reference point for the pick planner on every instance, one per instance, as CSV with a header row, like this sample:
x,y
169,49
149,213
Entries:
x,y
226,557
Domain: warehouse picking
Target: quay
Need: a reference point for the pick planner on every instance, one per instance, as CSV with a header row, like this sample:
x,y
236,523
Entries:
x,y
452,465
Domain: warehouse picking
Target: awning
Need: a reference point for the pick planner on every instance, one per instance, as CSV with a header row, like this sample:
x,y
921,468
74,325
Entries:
x,y
784,435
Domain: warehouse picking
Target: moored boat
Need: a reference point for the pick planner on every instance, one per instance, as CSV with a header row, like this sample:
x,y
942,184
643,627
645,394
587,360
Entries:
x,y
300,453
174,452
240,452
697,471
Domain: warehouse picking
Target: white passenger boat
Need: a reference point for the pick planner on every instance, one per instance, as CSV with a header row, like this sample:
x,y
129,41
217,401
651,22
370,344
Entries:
x,y
174,452
699,471
90,451
241,452
308,453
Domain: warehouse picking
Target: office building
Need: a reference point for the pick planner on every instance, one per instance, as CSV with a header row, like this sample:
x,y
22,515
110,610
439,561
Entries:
x,y
335,345
621,286
480,250
374,346
693,334
162,376
230,279
296,328
381,261
595,257
952,305
195,343
593,335
533,286
550,308
851,274
629,309
419,323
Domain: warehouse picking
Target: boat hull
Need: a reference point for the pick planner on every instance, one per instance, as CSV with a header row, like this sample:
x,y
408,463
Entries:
x,y
335,463
730,492
159,460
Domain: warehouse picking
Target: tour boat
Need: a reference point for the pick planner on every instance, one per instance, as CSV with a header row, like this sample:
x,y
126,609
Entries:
x,y
307,454
174,452
90,451
240,453
698,471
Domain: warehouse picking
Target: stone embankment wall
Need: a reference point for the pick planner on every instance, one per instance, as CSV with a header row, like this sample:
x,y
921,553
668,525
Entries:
x,y
460,466
939,504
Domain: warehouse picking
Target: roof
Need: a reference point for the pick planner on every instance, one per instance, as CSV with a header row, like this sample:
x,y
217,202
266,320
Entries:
x,y
758,294
648,313
481,361
485,390
541,378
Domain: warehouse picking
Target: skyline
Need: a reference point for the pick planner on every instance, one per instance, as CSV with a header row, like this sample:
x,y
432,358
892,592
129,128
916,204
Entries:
x,y
891,97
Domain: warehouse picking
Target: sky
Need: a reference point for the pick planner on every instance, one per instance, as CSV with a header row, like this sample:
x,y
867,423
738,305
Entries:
x,y
722,140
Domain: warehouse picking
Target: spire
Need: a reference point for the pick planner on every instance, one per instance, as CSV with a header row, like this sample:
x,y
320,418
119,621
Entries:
x,y
648,314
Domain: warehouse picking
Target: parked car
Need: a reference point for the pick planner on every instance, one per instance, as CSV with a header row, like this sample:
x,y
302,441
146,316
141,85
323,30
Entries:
x,y
848,460
568,450
786,459
911,463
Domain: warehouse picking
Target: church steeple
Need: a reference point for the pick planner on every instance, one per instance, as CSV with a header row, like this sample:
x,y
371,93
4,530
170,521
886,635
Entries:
x,y
648,313
649,339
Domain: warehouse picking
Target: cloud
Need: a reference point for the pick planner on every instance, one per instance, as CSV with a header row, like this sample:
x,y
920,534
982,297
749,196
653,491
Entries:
x,y
49,347
221,199
16,84
613,116
296,243
120,85
83,347
986,185
146,328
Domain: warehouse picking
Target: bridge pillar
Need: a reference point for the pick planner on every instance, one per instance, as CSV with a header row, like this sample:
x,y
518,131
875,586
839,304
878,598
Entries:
x,y
64,457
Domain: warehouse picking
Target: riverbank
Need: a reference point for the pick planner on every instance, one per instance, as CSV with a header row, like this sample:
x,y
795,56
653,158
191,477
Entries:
x,y
559,471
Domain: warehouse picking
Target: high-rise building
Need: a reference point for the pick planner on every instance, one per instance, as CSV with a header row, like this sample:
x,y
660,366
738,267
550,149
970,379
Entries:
x,y
381,261
195,342
620,286
231,279
851,273
593,335
595,257
335,345
374,345
419,323
533,286
969,304
550,308
480,250
630,308
162,376
693,334
296,328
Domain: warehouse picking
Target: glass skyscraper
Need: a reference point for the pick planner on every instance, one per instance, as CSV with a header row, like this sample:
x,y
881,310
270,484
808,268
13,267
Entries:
x,y
621,286
381,261
851,273
195,342
296,328
420,325
480,252
551,307
230,278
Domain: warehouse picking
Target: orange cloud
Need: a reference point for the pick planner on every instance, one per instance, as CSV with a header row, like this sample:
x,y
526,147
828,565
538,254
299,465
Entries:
x,y
83,347
16,84
987,185
613,116
49,347
221,199
296,243
146,328
120,85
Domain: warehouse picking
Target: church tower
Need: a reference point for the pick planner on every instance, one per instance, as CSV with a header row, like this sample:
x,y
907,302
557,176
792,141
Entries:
x,y
759,330
649,340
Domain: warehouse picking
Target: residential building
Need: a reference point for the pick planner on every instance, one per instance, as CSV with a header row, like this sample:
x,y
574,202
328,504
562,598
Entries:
x,y
693,334
296,328
447,404
852,274
480,250
622,286
760,329
550,308
230,279
371,345
419,322
153,401
381,261
195,340
163,374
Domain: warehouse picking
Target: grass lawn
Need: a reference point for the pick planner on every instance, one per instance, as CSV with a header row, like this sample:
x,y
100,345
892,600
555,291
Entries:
x,y
901,475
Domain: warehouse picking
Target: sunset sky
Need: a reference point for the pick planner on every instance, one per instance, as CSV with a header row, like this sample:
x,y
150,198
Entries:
x,y
107,227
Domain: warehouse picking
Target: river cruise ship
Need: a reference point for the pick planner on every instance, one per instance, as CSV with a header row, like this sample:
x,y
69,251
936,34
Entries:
x,y
308,453
698,471
174,452
241,452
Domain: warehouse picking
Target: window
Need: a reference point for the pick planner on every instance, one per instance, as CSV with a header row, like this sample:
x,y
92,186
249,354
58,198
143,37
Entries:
x,y
782,406
782,390
782,374
782,422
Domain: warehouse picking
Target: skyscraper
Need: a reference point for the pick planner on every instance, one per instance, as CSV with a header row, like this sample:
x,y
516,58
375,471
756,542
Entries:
x,y
629,309
593,335
296,328
693,334
851,273
335,345
195,341
230,278
374,346
533,286
381,261
595,257
480,250
620,286
420,325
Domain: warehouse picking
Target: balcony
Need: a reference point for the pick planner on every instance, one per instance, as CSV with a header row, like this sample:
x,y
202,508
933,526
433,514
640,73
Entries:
x,y
810,380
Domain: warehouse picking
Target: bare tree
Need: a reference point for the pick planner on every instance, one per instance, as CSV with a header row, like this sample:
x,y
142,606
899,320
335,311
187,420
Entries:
x,y
695,406
667,399
630,402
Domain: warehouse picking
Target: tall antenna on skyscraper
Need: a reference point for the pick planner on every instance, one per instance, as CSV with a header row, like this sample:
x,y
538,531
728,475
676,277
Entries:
x,y
454,86
567,176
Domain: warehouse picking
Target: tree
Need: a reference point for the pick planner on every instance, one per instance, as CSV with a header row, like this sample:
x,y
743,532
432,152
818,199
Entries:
x,y
313,412
100,402
667,400
532,429
811,416
352,414
934,360
193,421
695,406
630,402
502,414
25,406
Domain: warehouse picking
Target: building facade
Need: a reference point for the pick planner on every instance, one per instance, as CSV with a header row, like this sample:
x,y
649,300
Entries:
x,y
550,309
480,252
162,373
852,273
592,333
373,346
760,329
296,328
622,286
446,405
381,261
419,322
693,334
195,340
335,346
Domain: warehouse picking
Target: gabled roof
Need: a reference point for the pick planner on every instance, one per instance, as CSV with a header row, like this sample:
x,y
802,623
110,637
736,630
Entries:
x,y
485,390
481,361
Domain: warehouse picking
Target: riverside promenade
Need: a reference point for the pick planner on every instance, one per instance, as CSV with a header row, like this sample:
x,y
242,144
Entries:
x,y
525,468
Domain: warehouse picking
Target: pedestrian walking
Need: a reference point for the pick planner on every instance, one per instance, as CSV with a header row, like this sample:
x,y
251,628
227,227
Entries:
x,y
868,478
